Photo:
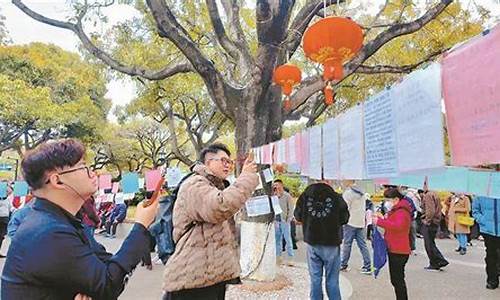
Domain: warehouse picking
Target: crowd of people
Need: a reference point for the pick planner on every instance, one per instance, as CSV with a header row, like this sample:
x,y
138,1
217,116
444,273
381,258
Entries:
x,y
61,216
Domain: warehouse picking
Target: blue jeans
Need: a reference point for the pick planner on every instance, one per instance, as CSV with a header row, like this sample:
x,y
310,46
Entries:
x,y
462,240
351,234
283,230
321,257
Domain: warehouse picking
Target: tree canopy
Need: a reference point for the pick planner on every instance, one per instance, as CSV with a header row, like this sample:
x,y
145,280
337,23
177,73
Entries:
x,y
45,93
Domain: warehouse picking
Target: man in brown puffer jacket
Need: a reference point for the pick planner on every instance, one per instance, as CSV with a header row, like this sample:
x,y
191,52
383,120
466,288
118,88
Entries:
x,y
206,256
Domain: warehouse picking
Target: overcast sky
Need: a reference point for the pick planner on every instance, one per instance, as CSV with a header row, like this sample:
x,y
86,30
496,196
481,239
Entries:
x,y
22,29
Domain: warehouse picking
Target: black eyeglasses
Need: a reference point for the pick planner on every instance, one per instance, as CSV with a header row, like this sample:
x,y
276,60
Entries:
x,y
224,161
73,170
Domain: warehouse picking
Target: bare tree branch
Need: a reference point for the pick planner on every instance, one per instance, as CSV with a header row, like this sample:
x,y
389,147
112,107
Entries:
x,y
220,32
169,28
399,69
87,43
232,9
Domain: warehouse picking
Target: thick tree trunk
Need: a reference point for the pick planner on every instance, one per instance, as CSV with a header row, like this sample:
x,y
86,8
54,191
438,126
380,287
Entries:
x,y
257,123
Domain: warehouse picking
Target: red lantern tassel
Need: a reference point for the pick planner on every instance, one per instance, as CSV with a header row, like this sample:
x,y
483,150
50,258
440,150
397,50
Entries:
x,y
287,104
328,91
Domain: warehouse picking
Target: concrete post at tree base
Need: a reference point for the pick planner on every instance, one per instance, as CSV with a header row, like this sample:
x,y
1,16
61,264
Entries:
x,y
258,251
258,246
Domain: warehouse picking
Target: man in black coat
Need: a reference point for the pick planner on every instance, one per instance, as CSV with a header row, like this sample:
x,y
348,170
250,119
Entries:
x,y
322,212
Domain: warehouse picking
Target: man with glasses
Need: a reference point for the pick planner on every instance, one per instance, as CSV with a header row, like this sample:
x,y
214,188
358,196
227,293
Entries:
x,y
206,256
50,256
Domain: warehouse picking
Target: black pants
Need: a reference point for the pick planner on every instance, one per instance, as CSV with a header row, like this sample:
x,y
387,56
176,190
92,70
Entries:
x,y
214,292
397,263
4,221
111,227
436,259
492,259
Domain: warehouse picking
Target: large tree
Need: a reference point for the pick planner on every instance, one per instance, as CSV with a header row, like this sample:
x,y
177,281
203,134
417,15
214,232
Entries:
x,y
234,49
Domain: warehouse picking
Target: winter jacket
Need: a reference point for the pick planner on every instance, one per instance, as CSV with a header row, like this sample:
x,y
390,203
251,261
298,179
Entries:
x,y
51,257
356,202
486,211
397,228
459,206
322,212
431,208
208,253
17,218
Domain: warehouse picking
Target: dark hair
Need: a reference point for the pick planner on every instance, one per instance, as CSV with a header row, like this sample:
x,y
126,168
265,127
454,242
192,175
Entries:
x,y
213,148
420,191
393,193
278,181
48,157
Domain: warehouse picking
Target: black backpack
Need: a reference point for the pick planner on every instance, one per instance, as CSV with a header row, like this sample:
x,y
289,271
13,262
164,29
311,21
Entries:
x,y
163,227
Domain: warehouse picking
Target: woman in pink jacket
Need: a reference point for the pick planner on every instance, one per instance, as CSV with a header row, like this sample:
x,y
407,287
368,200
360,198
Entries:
x,y
397,236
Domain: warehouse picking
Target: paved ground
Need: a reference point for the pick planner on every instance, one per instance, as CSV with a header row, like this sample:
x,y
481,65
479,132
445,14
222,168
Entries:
x,y
463,278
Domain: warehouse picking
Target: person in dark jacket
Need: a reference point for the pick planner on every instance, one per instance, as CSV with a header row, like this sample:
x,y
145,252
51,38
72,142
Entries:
x,y
50,256
397,223
431,218
322,212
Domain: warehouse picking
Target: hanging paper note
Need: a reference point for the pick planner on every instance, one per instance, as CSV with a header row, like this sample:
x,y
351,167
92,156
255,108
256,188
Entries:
x,y
3,189
292,158
380,136
174,176
268,175
478,182
105,181
119,198
110,197
304,161
315,149
298,148
20,188
331,150
381,181
413,181
130,183
267,154
152,178
471,87
452,179
495,185
279,149
276,205
116,186
142,181
258,206
419,121
351,144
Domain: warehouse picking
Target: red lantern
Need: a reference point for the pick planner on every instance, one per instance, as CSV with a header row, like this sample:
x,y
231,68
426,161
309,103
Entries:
x,y
287,76
331,42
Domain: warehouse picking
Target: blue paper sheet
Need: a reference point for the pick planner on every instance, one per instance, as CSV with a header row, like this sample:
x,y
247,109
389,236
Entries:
x,y
20,188
3,189
130,183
